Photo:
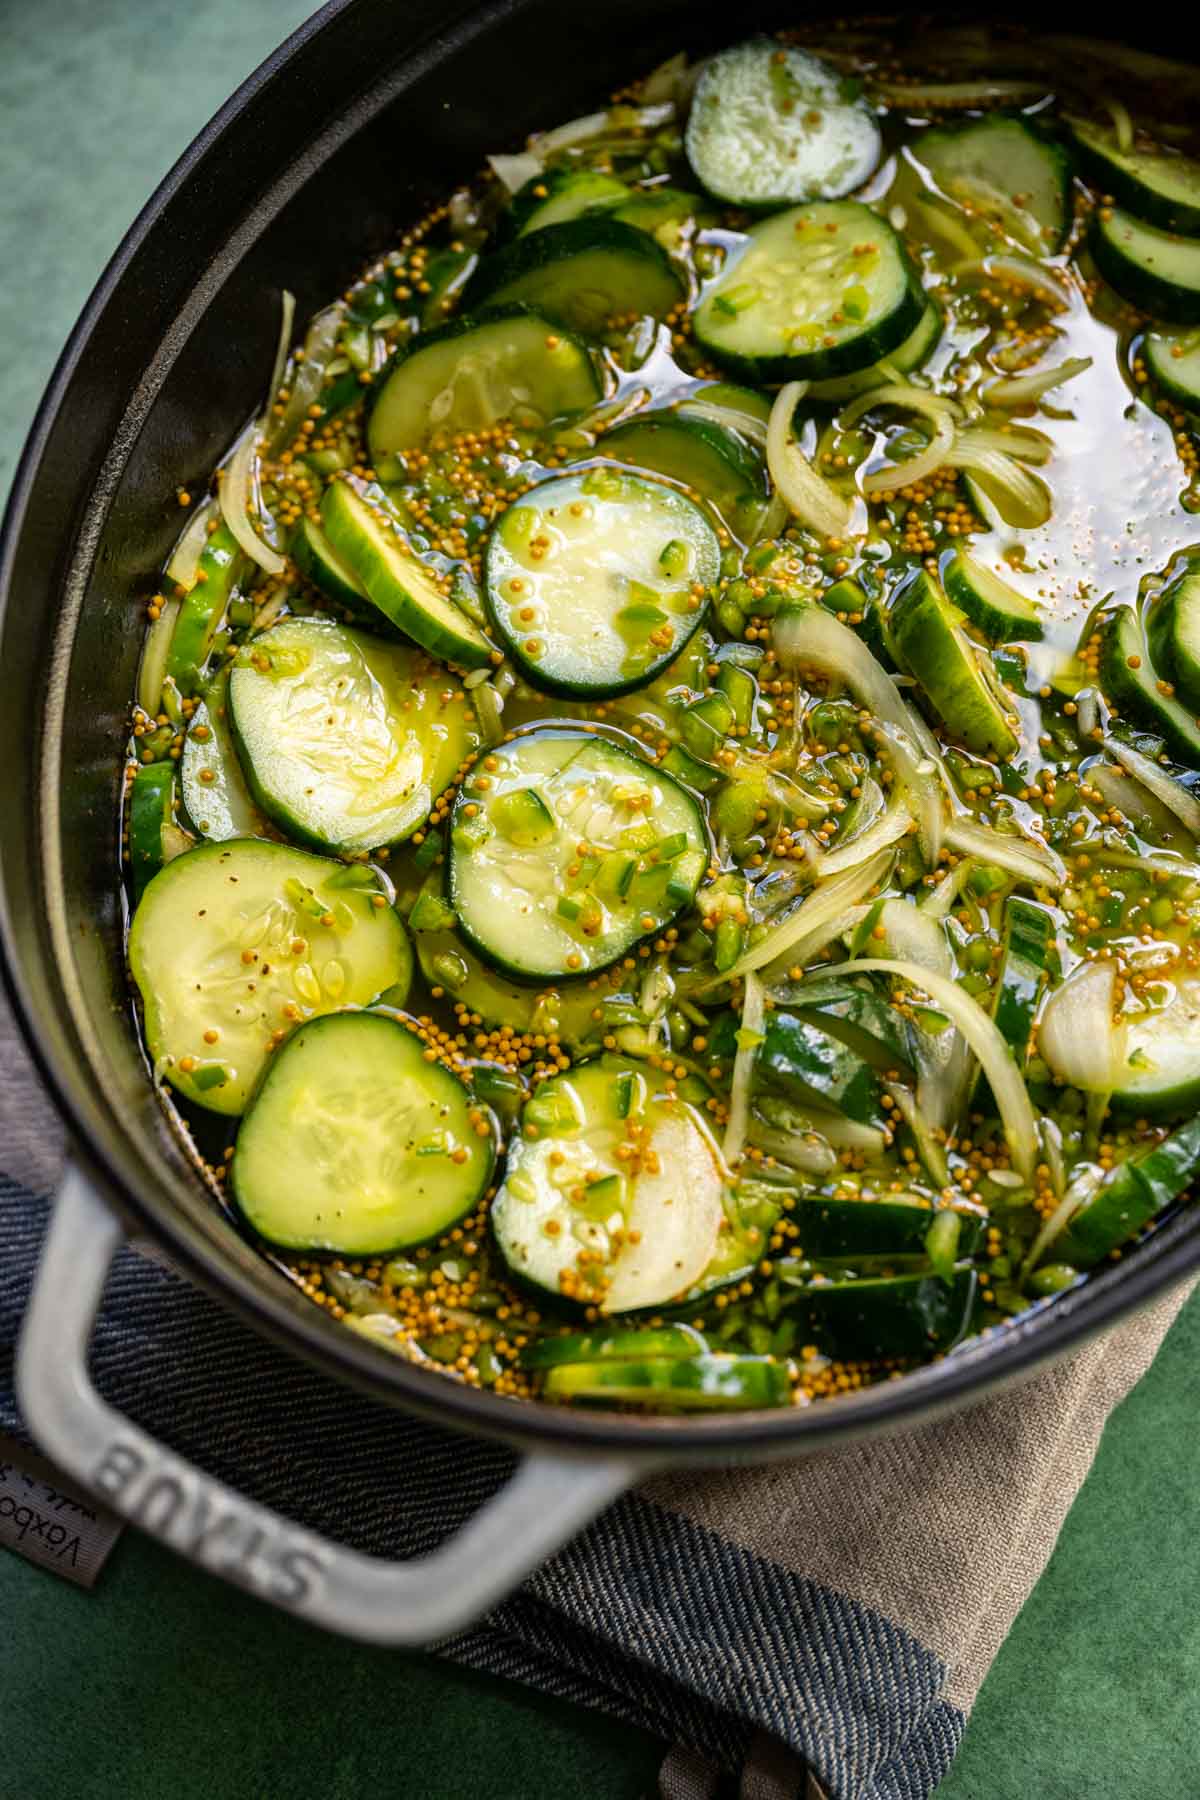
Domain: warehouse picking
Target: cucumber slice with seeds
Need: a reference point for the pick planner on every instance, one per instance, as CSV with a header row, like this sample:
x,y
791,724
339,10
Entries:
x,y
956,676
586,272
510,899
346,741
770,126
1173,359
243,940
992,605
811,293
368,535
213,789
596,581
1005,170
515,364
701,452
714,1382
1154,270
356,1143
1155,185
1131,684
557,195
1174,635
618,1231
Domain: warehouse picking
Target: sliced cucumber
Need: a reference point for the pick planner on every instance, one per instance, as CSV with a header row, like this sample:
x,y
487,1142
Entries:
x,y
356,1143
218,572
1174,635
445,274
1173,359
1153,269
346,741
149,809
1130,1196
858,1017
956,675
585,273
366,533
595,581
770,126
617,1231
472,373
1162,1063
213,789
715,1382
234,943
916,349
1155,185
662,1341
1130,683
1006,171
319,562
808,1065
553,910
909,1315
705,455
992,605
813,292
669,214
574,1013
741,409
844,1230
557,195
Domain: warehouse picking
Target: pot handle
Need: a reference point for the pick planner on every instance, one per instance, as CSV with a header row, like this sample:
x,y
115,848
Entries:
x,y
551,1495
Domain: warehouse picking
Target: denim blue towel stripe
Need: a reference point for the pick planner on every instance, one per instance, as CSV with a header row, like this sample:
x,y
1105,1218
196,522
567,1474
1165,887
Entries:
x,y
646,1615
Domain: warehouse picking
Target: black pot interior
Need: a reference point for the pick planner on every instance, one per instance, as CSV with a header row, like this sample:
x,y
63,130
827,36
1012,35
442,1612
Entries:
x,y
373,110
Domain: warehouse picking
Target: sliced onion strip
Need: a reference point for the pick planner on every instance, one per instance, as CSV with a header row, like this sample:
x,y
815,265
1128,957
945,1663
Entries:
x,y
1077,1035
749,1040
234,491
985,1039
813,500
1020,268
308,376
1034,863
512,172
895,823
1170,793
1021,390
827,901
185,557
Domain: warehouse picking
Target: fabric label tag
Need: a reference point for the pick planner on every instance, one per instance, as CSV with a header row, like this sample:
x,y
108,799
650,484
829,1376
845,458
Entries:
x,y
48,1520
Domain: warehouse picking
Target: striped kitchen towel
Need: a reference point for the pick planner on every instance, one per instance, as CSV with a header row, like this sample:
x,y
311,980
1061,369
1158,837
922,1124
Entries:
x,y
821,1627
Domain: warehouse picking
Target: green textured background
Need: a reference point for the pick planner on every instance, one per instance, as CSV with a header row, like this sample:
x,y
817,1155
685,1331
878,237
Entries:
x,y
164,1683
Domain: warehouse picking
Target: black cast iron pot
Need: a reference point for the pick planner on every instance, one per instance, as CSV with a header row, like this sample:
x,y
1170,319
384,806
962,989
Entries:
x,y
367,113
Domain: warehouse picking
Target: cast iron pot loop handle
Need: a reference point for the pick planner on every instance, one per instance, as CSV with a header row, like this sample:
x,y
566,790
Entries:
x,y
551,1496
